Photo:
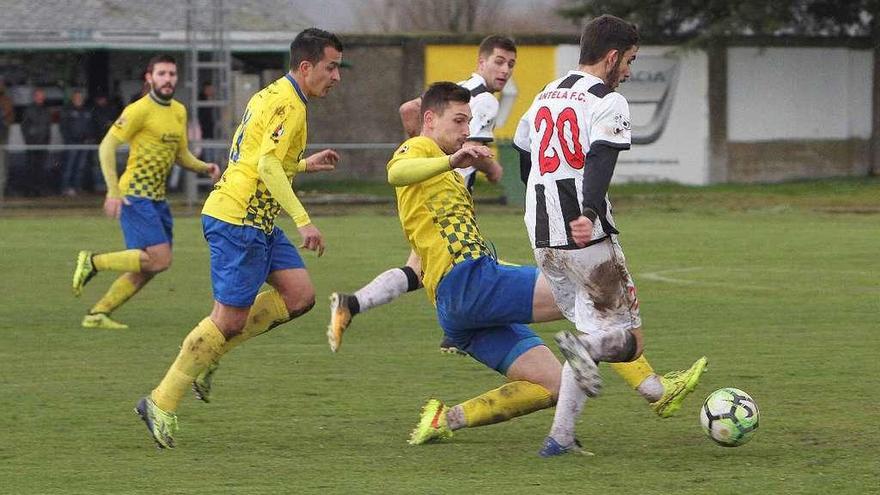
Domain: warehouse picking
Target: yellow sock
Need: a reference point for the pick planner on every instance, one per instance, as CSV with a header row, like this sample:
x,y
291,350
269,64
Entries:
x,y
634,372
200,348
120,291
119,261
506,402
267,312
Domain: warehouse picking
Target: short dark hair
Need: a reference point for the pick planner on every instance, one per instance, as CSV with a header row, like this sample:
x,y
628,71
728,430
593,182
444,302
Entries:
x,y
159,59
309,46
491,42
606,33
439,95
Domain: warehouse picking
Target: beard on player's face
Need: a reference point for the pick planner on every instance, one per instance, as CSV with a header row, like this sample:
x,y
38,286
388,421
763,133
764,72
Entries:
x,y
164,92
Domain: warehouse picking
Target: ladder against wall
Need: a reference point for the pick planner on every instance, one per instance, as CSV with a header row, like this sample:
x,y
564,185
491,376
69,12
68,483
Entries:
x,y
209,59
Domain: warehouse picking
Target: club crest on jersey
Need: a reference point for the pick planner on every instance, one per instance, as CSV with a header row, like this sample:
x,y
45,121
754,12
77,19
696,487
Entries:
x,y
277,133
119,122
621,123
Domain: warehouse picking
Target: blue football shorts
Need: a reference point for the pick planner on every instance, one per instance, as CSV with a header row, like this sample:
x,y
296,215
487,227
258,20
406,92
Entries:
x,y
483,308
242,257
145,222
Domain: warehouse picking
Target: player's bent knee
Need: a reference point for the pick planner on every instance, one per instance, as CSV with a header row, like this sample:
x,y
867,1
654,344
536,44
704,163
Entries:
x,y
160,266
156,262
229,320
301,307
231,328
617,346
539,366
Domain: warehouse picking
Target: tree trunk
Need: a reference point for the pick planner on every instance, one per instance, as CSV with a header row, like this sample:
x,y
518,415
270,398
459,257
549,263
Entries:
x,y
874,146
717,58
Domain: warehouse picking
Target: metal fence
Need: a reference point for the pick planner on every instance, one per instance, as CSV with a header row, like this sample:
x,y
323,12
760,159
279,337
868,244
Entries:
x,y
58,169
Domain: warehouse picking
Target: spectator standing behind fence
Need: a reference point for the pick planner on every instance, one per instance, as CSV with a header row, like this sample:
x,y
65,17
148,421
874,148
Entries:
x,y
77,128
7,117
104,113
207,115
35,125
207,119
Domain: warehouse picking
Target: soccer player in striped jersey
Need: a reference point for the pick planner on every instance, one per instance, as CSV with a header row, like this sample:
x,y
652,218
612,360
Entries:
x,y
571,136
155,127
495,63
238,219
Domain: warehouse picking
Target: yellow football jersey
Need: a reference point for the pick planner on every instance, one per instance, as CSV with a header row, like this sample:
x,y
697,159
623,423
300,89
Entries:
x,y
156,132
437,216
273,122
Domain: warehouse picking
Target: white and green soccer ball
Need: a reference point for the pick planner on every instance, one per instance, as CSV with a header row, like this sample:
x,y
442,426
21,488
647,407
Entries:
x,y
729,416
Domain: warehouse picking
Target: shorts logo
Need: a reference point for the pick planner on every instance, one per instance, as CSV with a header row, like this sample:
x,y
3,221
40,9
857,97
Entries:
x,y
277,133
403,149
119,122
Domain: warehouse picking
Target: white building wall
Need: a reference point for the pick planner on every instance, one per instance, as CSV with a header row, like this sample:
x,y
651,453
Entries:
x,y
798,93
671,135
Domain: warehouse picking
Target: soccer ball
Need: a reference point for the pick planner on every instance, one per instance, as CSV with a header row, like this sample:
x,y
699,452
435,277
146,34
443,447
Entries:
x,y
729,416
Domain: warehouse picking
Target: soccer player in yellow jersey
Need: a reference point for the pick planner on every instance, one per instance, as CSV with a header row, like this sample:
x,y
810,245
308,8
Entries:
x,y
155,127
482,305
238,219
496,59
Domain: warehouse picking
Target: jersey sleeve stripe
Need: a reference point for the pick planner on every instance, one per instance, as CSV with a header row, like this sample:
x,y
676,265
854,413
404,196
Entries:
x,y
479,90
600,90
570,81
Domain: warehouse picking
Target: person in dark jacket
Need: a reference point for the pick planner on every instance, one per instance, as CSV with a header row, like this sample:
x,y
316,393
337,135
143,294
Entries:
x,y
7,118
77,128
104,113
35,124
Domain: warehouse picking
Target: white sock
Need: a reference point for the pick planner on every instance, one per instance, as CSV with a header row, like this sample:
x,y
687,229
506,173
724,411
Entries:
x,y
651,388
568,407
386,287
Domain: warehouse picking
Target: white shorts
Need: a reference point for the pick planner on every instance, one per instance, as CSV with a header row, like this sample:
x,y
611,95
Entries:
x,y
592,286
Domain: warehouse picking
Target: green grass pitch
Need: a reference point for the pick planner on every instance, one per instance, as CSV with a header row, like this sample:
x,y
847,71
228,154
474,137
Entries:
x,y
783,298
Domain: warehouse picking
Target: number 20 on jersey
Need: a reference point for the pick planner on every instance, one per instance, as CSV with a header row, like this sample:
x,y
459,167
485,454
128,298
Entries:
x,y
549,153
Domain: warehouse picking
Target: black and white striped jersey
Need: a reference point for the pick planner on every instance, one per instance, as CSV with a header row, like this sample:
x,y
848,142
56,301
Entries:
x,y
566,118
484,111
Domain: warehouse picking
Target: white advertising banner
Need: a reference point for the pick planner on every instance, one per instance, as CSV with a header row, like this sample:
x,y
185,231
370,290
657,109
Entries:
x,y
668,98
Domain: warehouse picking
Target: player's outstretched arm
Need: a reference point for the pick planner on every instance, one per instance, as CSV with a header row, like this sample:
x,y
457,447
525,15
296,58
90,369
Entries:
x,y
413,170
188,161
411,117
322,161
471,156
598,170
404,172
491,168
107,159
272,174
